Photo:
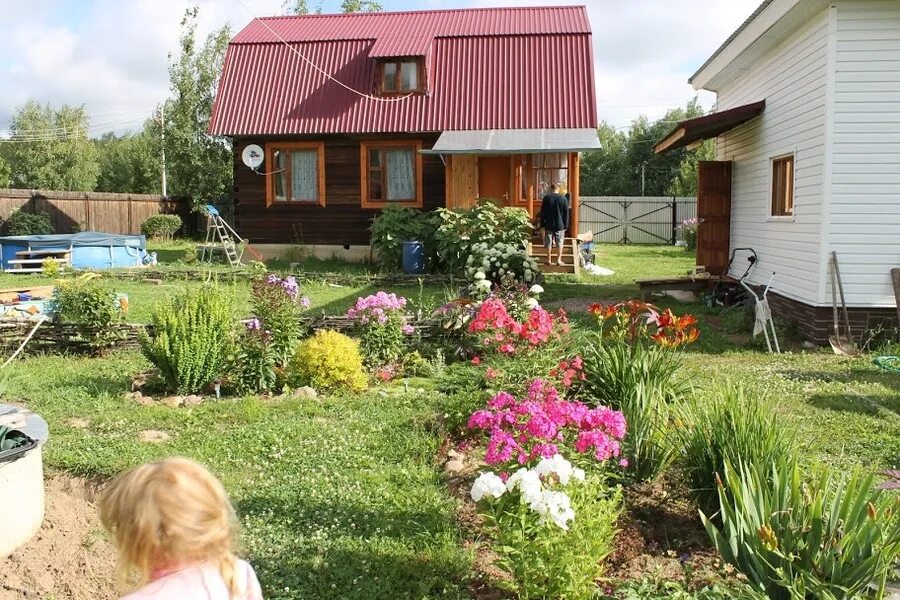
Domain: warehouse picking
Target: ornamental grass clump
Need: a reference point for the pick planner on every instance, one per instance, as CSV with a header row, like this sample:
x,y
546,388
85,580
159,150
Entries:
x,y
552,526
330,362
383,331
190,337
735,425
795,534
630,365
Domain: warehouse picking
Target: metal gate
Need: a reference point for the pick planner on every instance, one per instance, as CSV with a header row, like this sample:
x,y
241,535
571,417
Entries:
x,y
635,219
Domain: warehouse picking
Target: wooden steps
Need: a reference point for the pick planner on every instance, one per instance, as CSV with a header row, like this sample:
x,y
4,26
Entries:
x,y
32,261
571,262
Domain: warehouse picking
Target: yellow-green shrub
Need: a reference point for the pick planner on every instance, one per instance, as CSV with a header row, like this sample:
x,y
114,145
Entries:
x,y
329,361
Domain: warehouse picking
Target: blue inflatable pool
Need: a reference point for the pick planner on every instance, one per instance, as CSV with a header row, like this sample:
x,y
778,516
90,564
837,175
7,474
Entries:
x,y
88,250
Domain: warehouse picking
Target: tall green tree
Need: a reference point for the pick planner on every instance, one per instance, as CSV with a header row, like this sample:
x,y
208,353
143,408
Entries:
x,y
685,182
131,162
49,148
198,165
5,173
352,6
300,7
627,164
303,7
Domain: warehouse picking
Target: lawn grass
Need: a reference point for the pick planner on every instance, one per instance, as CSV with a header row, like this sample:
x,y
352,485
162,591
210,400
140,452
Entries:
x,y
341,497
338,497
629,262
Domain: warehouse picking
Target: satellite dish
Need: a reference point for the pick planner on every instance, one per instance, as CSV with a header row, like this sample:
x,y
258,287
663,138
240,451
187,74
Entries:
x,y
252,156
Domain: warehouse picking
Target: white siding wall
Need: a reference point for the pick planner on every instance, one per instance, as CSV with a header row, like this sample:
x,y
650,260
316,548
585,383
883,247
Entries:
x,y
865,192
792,79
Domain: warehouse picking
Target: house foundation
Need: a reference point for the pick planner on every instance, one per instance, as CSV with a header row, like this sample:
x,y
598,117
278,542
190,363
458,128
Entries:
x,y
816,323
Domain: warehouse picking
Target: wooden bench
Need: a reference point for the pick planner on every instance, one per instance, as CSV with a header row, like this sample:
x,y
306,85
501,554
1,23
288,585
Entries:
x,y
688,284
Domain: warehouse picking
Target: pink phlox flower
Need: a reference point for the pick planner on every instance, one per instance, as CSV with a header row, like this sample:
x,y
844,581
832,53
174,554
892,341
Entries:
x,y
502,400
481,419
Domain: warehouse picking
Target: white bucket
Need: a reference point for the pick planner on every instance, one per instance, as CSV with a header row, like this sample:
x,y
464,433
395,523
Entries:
x,y
22,487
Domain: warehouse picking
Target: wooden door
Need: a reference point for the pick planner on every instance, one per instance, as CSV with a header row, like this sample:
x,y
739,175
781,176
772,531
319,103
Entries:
x,y
494,176
714,213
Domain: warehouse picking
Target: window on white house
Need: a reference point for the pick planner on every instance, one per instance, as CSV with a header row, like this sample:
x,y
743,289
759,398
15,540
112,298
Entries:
x,y
783,187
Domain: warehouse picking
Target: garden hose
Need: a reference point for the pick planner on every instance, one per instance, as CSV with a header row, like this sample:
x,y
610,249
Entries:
x,y
888,363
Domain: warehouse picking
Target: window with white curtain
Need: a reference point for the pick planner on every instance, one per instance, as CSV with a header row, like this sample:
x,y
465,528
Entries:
x,y
296,173
392,174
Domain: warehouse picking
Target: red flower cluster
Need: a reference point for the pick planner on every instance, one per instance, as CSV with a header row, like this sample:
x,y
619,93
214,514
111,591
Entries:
x,y
635,320
495,329
569,371
673,331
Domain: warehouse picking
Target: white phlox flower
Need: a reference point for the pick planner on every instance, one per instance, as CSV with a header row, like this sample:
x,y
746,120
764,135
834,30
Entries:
x,y
532,304
487,484
556,507
556,465
528,483
536,289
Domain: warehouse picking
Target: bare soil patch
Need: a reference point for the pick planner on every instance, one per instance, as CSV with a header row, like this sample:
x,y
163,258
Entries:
x,y
70,556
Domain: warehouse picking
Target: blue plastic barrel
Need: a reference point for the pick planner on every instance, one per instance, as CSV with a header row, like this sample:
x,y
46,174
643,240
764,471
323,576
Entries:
x,y
413,258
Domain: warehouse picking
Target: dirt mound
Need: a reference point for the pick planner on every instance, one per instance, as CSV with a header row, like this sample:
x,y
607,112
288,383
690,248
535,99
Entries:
x,y
70,557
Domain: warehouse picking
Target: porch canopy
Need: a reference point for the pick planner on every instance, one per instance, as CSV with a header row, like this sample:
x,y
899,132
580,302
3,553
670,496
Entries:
x,y
709,126
515,141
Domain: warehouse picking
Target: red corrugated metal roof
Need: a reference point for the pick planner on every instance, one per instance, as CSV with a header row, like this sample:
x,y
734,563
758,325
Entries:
x,y
438,23
512,68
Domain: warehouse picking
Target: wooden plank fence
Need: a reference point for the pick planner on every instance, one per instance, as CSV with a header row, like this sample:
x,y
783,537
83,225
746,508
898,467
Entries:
x,y
635,219
71,212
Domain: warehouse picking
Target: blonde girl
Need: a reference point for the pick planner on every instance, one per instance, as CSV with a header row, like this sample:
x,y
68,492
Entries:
x,y
173,526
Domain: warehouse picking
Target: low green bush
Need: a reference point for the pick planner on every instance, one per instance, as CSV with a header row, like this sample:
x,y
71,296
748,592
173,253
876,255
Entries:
x,y
488,222
26,223
397,224
161,227
735,425
89,303
190,338
329,361
642,382
826,535
660,589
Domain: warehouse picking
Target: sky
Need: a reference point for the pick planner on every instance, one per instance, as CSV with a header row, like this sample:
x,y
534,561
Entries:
x,y
112,55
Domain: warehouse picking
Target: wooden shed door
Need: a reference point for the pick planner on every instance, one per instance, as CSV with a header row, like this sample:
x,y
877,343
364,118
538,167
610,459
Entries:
x,y
714,212
494,177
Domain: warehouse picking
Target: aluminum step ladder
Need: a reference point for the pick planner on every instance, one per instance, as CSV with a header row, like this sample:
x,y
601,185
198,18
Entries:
x,y
220,236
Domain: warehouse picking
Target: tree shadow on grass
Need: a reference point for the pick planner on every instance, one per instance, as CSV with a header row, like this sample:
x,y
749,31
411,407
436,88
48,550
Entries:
x,y
869,401
351,551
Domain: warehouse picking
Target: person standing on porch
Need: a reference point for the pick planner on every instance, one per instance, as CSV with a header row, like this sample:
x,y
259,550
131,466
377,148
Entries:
x,y
554,221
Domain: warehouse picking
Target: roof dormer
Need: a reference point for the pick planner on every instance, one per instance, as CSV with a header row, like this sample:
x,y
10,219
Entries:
x,y
400,75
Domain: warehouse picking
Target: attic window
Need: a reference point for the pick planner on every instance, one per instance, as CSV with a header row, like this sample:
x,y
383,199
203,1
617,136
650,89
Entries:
x,y
400,76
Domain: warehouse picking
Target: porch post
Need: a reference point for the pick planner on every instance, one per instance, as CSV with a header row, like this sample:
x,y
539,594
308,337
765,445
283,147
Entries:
x,y
574,191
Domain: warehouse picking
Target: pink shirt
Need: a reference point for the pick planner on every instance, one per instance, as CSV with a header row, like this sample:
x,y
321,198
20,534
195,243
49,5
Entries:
x,y
200,582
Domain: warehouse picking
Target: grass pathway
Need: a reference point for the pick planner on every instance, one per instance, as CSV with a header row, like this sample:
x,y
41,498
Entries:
x,y
338,498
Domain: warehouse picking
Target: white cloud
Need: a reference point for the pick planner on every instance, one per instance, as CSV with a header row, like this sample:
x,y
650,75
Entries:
x,y
645,50
112,55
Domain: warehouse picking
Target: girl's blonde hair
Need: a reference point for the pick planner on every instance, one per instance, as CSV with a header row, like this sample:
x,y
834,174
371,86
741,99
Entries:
x,y
170,513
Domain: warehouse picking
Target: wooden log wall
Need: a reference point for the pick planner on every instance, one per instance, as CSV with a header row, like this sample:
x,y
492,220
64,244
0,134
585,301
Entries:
x,y
342,221
93,211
